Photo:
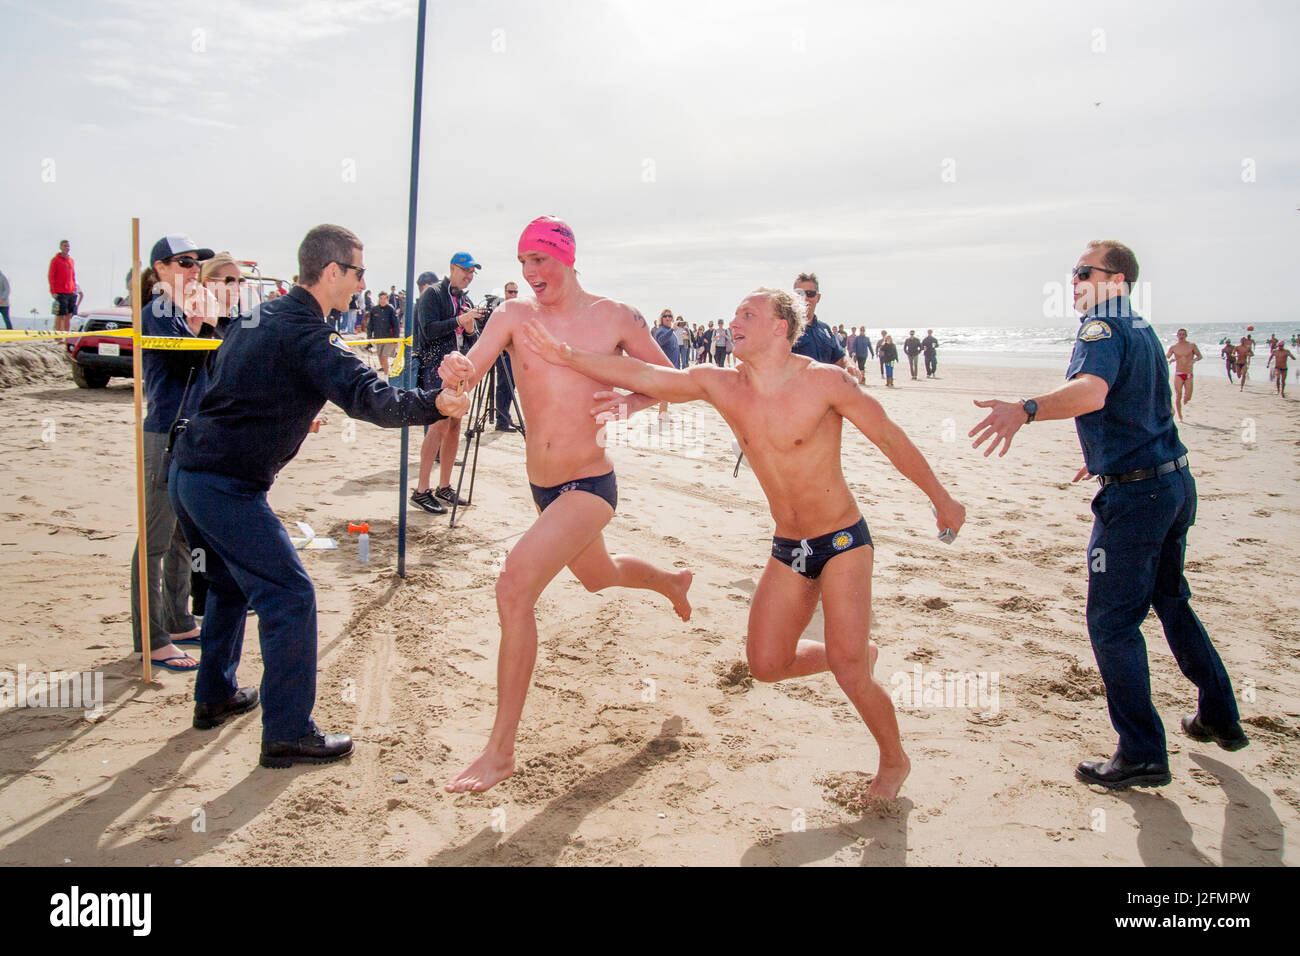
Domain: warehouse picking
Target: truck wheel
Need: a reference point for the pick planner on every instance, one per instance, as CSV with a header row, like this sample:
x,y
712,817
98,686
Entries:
x,y
88,378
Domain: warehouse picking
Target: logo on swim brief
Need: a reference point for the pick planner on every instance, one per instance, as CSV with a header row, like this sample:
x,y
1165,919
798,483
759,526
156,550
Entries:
x,y
568,486
1094,330
841,541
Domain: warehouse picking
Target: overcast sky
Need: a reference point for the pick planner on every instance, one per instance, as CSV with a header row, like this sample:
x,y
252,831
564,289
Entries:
x,y
936,163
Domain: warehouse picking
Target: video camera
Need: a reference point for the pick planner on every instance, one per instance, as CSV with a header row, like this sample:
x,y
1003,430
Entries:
x,y
490,302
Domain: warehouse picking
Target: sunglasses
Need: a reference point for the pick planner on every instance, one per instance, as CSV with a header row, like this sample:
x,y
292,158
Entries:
x,y
230,280
807,294
1084,272
359,270
185,262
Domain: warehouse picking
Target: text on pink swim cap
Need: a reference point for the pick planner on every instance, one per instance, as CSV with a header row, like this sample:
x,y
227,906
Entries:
x,y
551,236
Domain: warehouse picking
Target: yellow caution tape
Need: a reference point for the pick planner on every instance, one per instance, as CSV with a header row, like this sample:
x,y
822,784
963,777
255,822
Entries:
x,y
398,363
172,343
28,335
178,343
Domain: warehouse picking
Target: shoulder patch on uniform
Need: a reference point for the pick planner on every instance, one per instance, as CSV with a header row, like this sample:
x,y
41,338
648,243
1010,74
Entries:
x,y
337,341
1094,330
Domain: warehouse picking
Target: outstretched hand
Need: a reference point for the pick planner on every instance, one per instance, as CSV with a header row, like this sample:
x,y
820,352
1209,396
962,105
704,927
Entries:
x,y
1083,473
541,341
1001,424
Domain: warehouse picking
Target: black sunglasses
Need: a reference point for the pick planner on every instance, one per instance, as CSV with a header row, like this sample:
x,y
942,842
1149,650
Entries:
x,y
185,262
1084,272
807,293
360,270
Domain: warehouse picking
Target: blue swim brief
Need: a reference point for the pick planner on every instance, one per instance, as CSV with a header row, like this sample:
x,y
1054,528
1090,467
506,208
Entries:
x,y
809,556
602,486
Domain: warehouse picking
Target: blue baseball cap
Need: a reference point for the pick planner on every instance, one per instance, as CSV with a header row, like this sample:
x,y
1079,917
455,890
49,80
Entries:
x,y
176,245
465,261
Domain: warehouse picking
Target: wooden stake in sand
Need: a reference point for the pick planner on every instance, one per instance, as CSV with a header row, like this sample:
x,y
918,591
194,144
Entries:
x,y
136,359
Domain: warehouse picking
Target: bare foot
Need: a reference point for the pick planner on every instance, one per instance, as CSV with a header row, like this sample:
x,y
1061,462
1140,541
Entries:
x,y
889,779
487,771
677,594
169,654
187,636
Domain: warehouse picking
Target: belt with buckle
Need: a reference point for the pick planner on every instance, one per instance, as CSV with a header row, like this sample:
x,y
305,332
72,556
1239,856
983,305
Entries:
x,y
1142,474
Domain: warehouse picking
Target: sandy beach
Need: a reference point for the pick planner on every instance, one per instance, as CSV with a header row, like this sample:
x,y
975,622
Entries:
x,y
644,741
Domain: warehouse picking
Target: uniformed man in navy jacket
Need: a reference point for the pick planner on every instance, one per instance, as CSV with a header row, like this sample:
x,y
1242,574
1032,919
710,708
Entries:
x,y
272,375
1118,395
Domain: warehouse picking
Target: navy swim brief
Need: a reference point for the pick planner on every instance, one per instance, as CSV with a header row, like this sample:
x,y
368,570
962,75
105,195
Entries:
x,y
603,486
810,555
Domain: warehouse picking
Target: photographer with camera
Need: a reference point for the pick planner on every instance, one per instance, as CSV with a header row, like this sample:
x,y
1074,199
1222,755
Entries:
x,y
446,321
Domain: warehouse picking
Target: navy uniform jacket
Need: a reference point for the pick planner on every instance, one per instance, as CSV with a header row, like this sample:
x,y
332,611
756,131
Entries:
x,y
818,342
165,370
383,322
1135,428
272,376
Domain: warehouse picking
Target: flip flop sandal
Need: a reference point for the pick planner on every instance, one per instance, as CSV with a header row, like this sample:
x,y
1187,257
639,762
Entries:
x,y
167,665
178,641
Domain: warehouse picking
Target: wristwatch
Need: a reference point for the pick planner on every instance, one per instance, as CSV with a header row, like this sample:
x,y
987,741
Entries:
x,y
1031,408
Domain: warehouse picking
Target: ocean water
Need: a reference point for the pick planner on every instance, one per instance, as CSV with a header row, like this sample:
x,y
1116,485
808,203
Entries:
x,y
1018,346
1050,346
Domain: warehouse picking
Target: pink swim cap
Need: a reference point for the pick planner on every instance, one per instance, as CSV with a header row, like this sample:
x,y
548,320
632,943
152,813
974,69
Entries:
x,y
551,236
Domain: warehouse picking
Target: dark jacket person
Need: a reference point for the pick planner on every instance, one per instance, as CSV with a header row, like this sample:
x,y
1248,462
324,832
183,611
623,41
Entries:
x,y
170,377
273,374
1118,395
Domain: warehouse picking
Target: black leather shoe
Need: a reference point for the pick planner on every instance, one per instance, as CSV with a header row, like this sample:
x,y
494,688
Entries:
x,y
1119,774
312,747
1233,739
207,716
507,428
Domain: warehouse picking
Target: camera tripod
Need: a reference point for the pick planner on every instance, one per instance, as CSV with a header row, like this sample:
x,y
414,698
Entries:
x,y
482,414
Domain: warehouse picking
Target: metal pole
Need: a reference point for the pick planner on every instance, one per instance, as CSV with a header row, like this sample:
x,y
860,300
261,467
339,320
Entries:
x,y
137,361
410,279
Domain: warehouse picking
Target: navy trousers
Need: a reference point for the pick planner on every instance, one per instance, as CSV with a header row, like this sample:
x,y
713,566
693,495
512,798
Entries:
x,y
1135,562
248,559
505,392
